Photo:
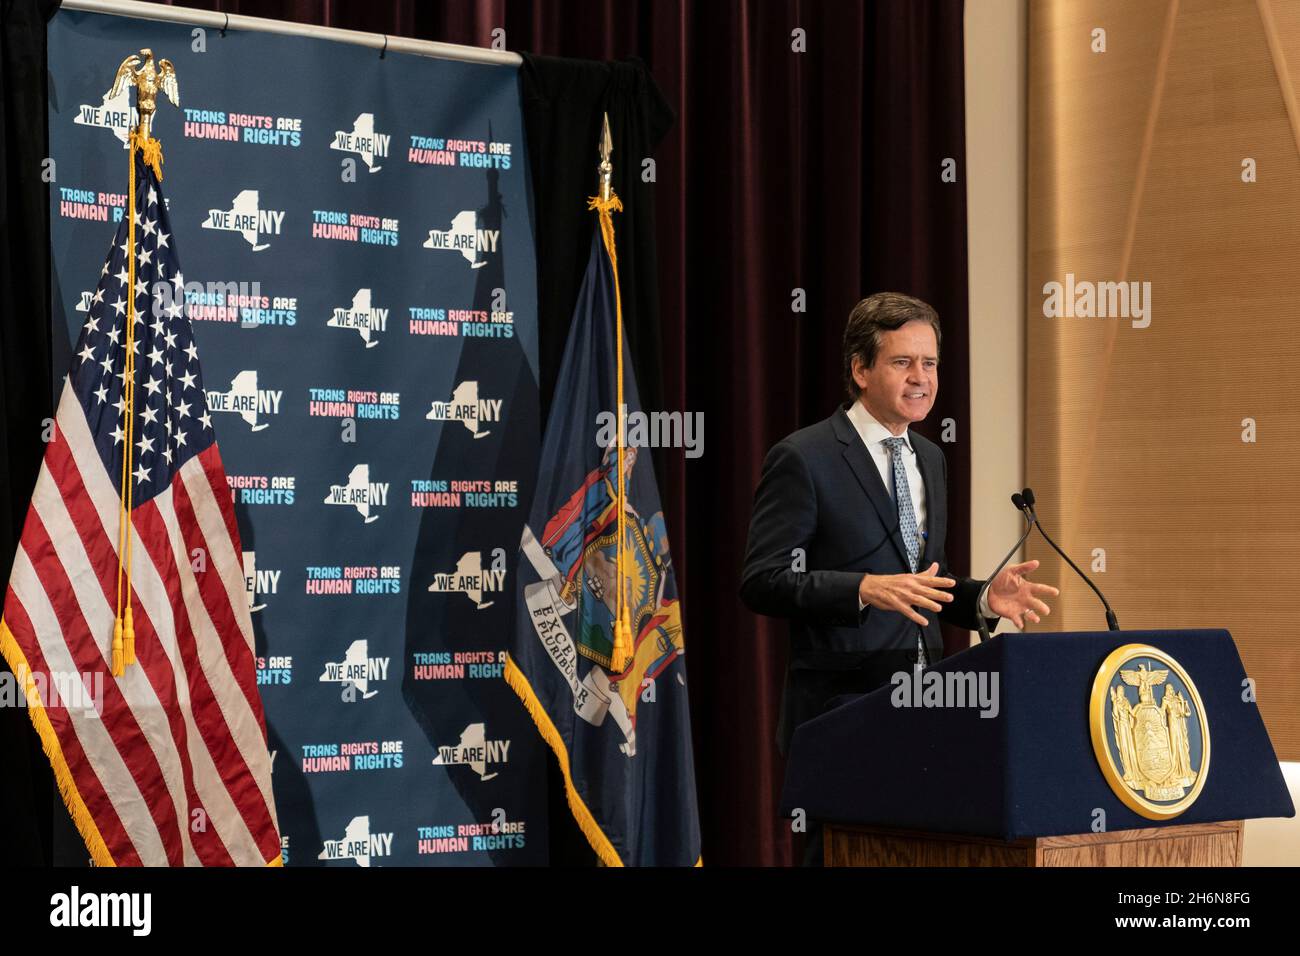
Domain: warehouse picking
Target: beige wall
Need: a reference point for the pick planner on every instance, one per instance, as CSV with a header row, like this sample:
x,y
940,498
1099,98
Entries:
x,y
1126,165
995,210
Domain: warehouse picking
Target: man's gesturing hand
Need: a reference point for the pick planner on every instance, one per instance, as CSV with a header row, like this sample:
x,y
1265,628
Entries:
x,y
903,592
1012,595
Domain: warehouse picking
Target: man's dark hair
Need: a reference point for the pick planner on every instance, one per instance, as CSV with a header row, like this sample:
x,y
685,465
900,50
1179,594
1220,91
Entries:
x,y
873,316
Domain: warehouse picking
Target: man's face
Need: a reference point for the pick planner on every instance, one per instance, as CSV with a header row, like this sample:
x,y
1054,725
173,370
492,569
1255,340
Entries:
x,y
900,387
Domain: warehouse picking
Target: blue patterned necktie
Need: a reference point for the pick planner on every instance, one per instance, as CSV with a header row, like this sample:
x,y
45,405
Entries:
x,y
907,524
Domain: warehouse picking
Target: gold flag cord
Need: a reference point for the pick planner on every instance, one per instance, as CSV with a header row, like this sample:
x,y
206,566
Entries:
x,y
124,623
621,655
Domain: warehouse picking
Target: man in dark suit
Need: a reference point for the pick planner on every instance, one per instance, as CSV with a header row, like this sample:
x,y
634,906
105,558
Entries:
x,y
847,533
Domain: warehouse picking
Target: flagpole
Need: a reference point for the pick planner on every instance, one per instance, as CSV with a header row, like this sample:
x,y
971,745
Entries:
x,y
605,203
123,626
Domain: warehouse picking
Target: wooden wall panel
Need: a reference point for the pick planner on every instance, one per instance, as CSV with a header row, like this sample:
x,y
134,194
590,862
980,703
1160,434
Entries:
x,y
1134,436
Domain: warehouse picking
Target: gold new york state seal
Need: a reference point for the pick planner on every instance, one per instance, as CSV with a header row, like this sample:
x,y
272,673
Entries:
x,y
1154,752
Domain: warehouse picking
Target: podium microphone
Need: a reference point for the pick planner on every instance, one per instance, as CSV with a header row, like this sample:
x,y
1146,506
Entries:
x,y
1026,504
979,598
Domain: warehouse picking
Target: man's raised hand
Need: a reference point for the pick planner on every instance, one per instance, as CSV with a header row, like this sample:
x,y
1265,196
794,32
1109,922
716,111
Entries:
x,y
904,592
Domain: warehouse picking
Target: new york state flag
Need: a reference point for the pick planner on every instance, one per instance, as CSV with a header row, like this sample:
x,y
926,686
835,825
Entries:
x,y
613,708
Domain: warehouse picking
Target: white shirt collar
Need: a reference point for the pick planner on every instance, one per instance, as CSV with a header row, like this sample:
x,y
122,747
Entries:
x,y
870,430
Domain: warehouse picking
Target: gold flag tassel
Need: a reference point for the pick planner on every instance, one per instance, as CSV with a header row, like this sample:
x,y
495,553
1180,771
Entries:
x,y
605,204
151,150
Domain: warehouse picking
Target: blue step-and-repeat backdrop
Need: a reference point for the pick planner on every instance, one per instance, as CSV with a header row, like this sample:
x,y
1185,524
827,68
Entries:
x,y
356,238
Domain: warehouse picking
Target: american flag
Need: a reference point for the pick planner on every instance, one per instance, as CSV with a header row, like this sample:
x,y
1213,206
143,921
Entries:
x,y
171,765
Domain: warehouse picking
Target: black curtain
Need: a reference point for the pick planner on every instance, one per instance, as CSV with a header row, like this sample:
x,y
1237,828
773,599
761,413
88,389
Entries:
x,y
564,103
26,785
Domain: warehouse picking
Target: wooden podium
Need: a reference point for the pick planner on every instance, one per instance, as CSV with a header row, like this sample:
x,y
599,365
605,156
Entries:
x,y
1197,844
1019,779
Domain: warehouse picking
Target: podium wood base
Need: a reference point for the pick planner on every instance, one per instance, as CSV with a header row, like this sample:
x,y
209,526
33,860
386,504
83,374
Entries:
x,y
1199,844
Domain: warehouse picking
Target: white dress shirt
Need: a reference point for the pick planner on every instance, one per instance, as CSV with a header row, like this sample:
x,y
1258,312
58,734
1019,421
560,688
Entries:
x,y
873,435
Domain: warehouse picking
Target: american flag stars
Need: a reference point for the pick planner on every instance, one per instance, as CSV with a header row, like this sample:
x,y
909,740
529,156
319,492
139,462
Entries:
x,y
172,422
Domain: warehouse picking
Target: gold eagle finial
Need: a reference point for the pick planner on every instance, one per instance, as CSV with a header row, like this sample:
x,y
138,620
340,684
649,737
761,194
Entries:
x,y
148,80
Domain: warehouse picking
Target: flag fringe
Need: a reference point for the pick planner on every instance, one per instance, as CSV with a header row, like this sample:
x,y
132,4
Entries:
x,y
17,661
85,823
586,822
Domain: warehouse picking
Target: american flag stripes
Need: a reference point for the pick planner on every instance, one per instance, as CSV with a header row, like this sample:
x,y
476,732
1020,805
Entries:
x,y
171,766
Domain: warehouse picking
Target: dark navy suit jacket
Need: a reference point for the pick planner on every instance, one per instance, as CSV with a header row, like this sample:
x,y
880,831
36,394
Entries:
x,y
821,492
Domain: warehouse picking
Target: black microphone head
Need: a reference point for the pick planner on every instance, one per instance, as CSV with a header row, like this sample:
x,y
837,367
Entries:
x,y
1028,494
1018,500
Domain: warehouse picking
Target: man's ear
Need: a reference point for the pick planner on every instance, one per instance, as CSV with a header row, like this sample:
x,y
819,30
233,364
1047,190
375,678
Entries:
x,y
859,372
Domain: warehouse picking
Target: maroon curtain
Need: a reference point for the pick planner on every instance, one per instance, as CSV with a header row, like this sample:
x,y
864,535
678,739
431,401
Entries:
x,y
818,170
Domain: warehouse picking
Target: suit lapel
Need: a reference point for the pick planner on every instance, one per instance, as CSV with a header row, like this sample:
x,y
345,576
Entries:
x,y
868,476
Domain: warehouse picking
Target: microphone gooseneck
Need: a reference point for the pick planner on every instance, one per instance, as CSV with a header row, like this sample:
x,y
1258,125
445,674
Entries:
x,y
1027,496
979,598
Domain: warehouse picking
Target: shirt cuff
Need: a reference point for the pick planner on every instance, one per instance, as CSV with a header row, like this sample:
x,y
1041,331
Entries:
x,y
984,609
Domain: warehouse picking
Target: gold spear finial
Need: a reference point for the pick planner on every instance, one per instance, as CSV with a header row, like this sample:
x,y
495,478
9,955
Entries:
x,y
606,167
147,81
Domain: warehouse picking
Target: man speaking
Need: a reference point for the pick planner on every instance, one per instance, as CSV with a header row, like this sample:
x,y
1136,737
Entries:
x,y
847,533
